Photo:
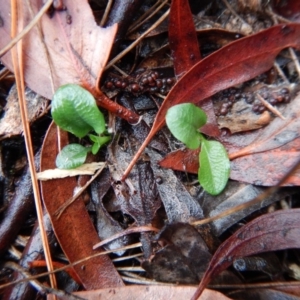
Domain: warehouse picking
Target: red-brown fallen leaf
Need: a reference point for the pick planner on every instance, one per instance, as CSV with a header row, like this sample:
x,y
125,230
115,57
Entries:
x,y
274,231
157,292
183,37
186,53
77,50
186,160
74,229
235,63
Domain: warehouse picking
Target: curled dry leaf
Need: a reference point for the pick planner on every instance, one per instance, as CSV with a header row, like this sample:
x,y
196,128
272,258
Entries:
x,y
274,231
85,169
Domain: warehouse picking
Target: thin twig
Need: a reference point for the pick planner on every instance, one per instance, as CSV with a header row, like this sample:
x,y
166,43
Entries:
x,y
125,232
145,281
136,245
127,257
37,285
280,72
270,107
120,70
131,269
137,41
17,58
3,73
106,12
64,206
145,19
142,17
295,60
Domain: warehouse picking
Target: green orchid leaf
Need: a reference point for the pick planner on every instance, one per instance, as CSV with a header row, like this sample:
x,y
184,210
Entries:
x,y
214,168
184,120
95,148
99,141
74,109
71,156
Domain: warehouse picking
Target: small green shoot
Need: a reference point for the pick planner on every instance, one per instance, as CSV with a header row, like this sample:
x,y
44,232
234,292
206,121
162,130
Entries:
x,y
99,141
184,121
74,109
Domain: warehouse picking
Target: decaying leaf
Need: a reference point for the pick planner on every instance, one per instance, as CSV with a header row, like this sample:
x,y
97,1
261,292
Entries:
x,y
73,49
271,152
180,206
106,225
186,160
184,258
245,121
10,123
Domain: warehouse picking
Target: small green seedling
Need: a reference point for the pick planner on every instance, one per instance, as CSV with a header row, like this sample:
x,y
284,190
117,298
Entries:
x,y
184,121
74,109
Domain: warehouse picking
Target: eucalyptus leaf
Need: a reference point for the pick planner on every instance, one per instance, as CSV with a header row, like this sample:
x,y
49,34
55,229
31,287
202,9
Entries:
x,y
71,156
74,109
214,168
184,120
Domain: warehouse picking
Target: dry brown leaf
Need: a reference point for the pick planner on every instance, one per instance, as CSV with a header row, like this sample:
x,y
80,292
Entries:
x,y
78,48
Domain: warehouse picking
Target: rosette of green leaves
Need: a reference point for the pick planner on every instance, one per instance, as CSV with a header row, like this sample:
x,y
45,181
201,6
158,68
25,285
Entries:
x,y
74,109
